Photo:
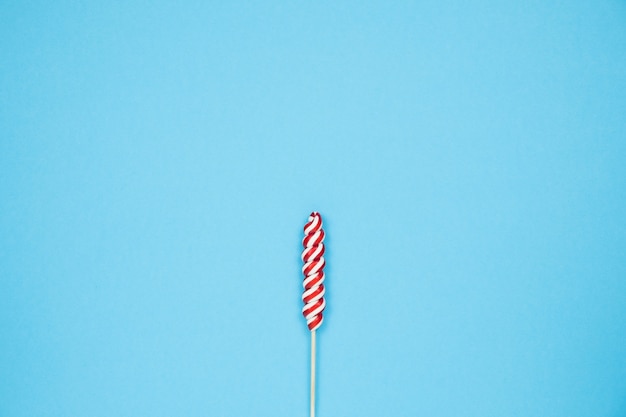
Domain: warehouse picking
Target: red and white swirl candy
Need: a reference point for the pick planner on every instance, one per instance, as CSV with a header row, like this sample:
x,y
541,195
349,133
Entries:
x,y
313,270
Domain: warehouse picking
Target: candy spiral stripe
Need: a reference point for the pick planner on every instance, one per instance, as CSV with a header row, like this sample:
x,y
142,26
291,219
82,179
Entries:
x,y
313,270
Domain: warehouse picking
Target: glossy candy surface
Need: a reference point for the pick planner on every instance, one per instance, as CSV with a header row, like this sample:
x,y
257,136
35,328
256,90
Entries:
x,y
313,270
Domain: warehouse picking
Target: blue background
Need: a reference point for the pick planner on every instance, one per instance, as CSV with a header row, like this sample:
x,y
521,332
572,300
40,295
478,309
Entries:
x,y
158,162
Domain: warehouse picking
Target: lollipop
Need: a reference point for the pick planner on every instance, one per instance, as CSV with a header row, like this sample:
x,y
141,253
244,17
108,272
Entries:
x,y
313,296
313,270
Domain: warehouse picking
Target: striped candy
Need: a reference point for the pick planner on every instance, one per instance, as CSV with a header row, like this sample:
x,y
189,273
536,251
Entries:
x,y
313,270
